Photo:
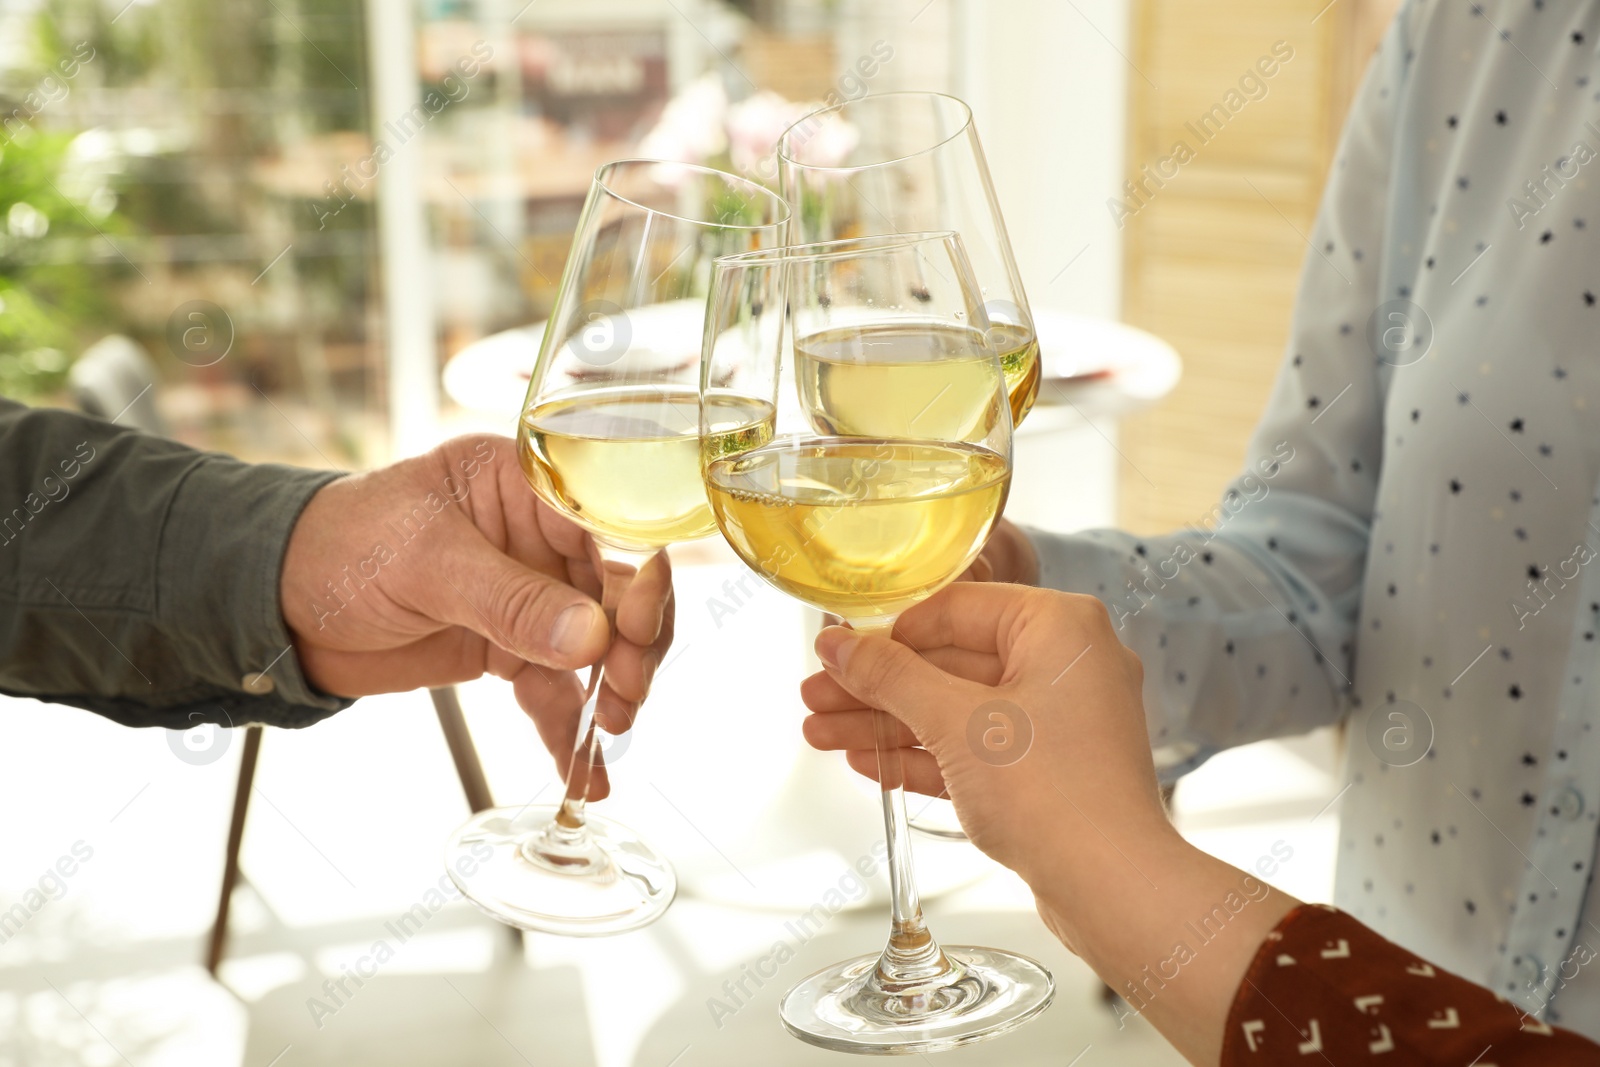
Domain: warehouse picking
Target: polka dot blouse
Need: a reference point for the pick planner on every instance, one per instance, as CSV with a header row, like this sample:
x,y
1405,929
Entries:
x,y
1413,543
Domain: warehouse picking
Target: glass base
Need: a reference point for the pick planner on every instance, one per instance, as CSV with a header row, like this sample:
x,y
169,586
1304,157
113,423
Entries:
x,y
990,993
529,872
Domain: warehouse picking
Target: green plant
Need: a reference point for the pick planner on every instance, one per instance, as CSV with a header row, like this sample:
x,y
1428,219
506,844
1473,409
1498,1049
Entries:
x,y
51,303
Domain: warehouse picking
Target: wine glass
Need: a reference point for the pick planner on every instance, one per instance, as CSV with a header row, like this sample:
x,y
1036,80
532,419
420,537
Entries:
x,y
610,437
864,501
908,161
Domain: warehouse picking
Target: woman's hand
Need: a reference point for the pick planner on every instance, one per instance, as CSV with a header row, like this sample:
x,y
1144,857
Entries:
x,y
446,567
1021,703
1008,556
1027,709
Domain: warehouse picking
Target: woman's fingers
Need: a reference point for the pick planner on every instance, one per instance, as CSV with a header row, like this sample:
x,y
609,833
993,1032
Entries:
x,y
980,571
985,668
843,730
920,769
971,615
1035,632
822,692
843,721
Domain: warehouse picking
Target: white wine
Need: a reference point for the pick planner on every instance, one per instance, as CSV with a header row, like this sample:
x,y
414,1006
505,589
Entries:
x,y
927,381
1019,358
860,528
624,462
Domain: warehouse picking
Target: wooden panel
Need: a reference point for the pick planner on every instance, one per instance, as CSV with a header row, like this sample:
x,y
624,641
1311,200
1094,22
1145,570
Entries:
x,y
1212,255
796,67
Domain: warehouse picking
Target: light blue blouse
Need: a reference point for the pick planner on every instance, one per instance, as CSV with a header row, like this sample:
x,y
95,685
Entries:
x,y
1412,545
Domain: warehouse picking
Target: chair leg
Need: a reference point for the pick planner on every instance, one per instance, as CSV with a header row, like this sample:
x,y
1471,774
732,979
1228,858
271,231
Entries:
x,y
465,754
230,865
462,750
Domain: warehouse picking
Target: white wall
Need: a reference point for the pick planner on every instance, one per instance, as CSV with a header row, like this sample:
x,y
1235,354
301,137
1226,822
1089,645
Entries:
x,y
1048,84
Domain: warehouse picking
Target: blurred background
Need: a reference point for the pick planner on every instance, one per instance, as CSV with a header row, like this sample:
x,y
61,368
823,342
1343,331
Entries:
x,y
314,232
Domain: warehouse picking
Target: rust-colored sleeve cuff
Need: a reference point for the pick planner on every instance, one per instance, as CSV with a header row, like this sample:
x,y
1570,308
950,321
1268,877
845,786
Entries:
x,y
1322,983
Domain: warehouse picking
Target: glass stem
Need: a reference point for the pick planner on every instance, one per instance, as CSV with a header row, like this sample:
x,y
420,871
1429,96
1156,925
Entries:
x,y
912,957
617,569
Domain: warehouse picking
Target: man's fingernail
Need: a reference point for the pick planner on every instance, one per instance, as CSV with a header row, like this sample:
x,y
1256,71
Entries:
x,y
834,646
649,665
612,715
572,628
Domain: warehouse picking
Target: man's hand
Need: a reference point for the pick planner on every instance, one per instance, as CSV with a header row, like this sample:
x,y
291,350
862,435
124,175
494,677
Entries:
x,y
445,567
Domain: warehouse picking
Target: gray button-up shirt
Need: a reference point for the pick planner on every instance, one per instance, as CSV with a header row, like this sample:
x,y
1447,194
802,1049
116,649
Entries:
x,y
1413,543
139,577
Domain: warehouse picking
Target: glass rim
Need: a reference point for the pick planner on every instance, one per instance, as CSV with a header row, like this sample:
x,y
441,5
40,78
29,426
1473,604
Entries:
x,y
606,170
966,124
841,248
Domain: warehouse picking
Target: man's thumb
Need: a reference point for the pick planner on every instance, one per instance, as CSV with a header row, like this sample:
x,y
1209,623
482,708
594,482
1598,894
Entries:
x,y
539,618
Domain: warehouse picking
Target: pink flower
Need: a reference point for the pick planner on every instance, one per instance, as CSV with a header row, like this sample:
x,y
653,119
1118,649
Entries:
x,y
754,126
826,141
690,129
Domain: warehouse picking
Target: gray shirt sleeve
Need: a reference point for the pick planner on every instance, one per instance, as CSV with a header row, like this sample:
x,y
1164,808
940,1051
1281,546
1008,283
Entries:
x,y
139,577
